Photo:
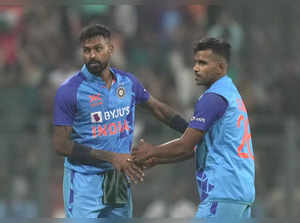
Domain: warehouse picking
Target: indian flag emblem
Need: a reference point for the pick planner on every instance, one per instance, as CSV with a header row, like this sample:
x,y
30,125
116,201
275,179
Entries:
x,y
121,92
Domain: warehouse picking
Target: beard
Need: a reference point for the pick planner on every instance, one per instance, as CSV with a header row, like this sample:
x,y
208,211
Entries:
x,y
96,67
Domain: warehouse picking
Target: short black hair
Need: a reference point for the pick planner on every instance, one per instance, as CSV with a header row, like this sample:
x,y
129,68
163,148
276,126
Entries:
x,y
218,46
94,30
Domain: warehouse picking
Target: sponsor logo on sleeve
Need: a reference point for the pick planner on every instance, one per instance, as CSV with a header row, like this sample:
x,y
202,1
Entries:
x,y
198,119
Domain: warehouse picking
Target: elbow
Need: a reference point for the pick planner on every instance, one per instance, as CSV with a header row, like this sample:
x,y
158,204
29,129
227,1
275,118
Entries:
x,y
61,144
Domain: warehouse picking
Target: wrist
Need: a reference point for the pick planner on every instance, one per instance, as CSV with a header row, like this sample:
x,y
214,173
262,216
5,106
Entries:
x,y
113,158
104,155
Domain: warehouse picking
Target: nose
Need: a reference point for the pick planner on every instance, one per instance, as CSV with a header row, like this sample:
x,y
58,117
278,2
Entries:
x,y
196,68
92,54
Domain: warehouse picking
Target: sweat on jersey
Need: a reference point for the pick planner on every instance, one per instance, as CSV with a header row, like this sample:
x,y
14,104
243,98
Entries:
x,y
224,159
101,118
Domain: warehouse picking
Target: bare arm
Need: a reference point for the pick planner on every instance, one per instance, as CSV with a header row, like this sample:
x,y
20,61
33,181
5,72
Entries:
x,y
158,160
64,146
152,161
175,150
166,114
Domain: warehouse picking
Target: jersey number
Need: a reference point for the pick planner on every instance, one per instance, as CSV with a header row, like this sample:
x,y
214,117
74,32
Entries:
x,y
246,138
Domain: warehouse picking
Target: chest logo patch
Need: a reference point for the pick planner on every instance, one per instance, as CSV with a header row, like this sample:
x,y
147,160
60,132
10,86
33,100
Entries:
x,y
96,117
121,92
95,100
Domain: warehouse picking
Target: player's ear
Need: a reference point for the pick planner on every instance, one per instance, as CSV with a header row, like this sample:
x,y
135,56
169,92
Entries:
x,y
111,48
222,67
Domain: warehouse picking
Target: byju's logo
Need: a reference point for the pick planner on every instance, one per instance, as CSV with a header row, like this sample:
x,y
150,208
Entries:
x,y
96,117
95,100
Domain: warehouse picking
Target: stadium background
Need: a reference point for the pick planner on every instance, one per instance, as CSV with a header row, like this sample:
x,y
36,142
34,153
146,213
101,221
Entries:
x,y
39,49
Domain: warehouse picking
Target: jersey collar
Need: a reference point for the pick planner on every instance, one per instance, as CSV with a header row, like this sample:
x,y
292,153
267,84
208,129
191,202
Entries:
x,y
92,77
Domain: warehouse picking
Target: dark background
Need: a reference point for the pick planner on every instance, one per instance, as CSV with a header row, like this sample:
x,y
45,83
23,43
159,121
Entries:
x,y
39,49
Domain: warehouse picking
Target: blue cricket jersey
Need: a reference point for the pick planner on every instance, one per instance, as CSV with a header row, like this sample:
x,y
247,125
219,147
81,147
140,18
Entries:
x,y
101,118
225,159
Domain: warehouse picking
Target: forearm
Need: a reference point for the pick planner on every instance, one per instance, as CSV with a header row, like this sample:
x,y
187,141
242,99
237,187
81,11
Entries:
x,y
167,115
86,155
172,119
162,155
158,160
176,150
172,151
64,146
82,154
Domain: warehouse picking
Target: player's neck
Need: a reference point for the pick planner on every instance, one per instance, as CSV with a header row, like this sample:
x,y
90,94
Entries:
x,y
107,76
218,78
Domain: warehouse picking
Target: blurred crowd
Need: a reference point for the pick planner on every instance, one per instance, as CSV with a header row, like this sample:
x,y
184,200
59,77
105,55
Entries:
x,y
39,49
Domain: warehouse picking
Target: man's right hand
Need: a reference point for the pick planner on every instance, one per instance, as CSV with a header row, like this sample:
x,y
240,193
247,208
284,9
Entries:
x,y
120,162
142,152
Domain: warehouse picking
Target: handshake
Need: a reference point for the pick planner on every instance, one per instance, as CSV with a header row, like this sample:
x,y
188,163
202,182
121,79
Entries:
x,y
134,164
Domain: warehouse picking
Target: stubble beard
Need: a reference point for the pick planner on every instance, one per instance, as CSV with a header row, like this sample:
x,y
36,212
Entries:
x,y
96,69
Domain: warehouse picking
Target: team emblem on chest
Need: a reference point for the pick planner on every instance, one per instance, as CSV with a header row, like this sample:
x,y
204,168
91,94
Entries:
x,y
121,92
